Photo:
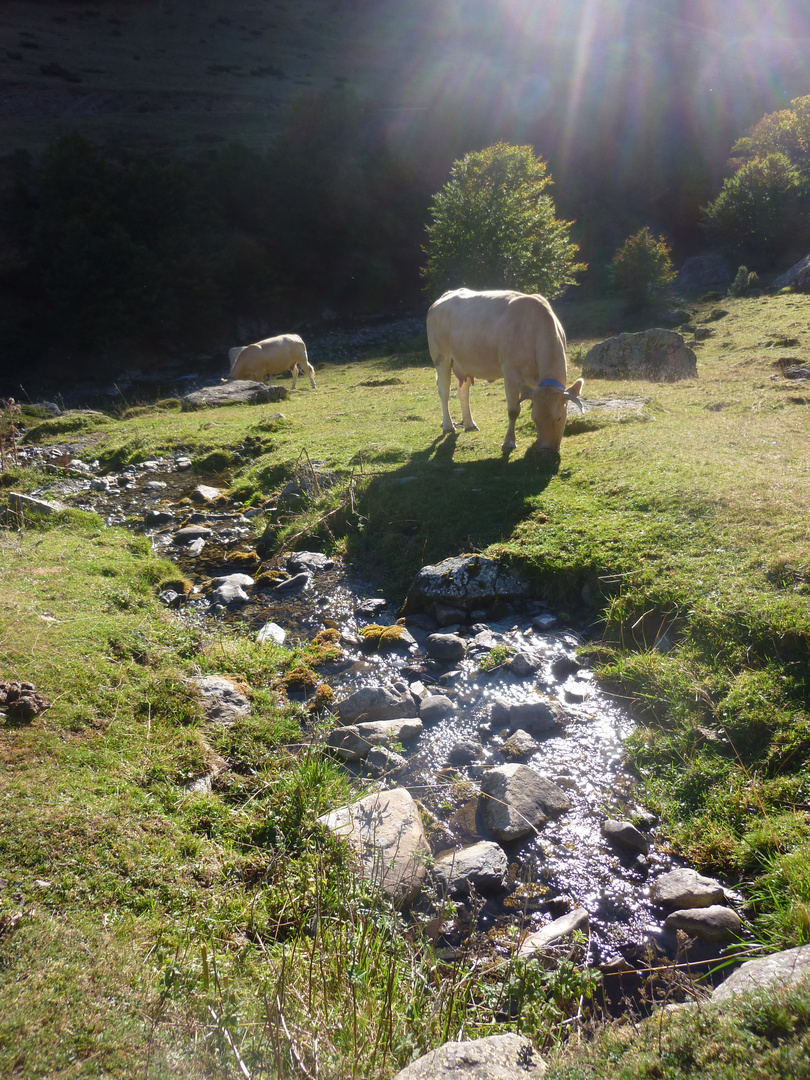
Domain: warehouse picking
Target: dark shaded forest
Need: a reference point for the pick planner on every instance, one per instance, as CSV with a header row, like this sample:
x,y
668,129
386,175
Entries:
x,y
146,250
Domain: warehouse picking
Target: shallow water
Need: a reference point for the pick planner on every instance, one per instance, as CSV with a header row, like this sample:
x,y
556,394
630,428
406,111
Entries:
x,y
568,863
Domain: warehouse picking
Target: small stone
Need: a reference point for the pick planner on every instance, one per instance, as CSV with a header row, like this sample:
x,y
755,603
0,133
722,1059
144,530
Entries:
x,y
202,493
625,834
519,746
715,923
271,632
448,648
686,888
435,707
555,931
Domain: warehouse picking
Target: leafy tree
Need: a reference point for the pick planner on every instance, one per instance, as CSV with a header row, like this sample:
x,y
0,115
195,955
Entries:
x,y
784,132
762,211
642,268
493,226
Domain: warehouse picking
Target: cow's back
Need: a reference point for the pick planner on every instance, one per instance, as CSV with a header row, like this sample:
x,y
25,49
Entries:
x,y
291,345
487,333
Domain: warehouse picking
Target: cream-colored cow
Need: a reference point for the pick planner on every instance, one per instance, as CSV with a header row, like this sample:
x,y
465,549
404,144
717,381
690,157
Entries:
x,y
271,356
503,335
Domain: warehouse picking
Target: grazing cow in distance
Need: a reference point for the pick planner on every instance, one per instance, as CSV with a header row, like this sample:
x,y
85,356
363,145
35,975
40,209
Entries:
x,y
503,335
271,356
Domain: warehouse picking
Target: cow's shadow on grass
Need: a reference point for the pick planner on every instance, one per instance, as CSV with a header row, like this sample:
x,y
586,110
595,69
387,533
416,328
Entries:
x,y
433,507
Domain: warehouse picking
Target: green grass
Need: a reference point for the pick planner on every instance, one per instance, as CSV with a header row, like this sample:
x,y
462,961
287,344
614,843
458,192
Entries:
x,y
163,933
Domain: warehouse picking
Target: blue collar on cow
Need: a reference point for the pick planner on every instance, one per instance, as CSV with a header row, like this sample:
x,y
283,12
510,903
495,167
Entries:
x,y
551,382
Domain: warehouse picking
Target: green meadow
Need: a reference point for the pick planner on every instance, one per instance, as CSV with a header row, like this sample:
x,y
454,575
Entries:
x,y
150,932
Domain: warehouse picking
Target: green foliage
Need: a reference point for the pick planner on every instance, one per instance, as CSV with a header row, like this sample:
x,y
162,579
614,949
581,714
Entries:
x,y
642,268
494,227
744,283
785,132
762,211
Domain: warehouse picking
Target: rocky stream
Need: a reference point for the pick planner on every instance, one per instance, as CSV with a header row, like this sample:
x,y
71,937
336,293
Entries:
x,y
475,702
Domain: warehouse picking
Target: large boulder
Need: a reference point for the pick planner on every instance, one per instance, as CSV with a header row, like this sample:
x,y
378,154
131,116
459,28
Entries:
x,y
797,277
702,273
233,392
385,832
782,968
497,1057
518,800
464,582
659,355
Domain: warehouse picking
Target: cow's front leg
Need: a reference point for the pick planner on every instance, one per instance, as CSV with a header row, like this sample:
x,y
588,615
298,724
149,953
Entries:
x,y
464,399
443,365
513,412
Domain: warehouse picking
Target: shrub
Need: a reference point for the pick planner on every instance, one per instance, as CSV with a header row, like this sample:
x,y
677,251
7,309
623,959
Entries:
x,y
745,281
642,268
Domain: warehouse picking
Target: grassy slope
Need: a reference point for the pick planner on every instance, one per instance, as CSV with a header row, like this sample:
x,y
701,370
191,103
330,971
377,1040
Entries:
x,y
129,911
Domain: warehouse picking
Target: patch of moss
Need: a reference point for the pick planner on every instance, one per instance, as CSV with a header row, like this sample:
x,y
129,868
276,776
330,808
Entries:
x,y
381,638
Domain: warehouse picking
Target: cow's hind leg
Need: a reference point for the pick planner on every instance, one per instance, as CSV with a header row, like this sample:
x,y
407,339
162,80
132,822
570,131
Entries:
x,y
443,365
464,385
294,373
310,370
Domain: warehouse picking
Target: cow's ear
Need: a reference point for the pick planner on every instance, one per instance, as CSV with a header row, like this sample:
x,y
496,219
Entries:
x,y
575,389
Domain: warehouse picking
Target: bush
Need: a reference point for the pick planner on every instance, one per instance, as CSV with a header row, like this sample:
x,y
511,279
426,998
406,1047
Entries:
x,y
762,211
642,268
493,227
744,283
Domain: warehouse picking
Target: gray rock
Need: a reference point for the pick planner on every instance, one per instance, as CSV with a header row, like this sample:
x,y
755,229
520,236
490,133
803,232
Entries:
x,y
222,702
797,277
19,504
434,707
686,888
497,1057
384,762
659,355
313,561
482,866
448,648
702,273
525,664
290,584
271,632
519,746
518,801
449,615
782,968
465,752
715,923
555,931
191,532
624,834
386,833
354,741
374,703
536,716
465,582
370,609
203,494
235,392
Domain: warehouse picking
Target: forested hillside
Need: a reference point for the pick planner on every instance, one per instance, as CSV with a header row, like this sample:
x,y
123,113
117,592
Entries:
x,y
260,162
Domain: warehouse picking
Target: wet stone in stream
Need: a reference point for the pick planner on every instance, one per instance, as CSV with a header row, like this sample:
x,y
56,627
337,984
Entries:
x,y
538,705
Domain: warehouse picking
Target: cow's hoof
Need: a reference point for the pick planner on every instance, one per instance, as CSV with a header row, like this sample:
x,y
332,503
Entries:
x,y
472,427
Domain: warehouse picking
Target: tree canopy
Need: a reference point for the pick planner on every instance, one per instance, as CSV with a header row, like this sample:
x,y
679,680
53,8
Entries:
x,y
494,227
762,213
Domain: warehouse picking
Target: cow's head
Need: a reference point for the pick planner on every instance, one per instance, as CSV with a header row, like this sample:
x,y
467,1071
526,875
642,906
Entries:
x,y
549,411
